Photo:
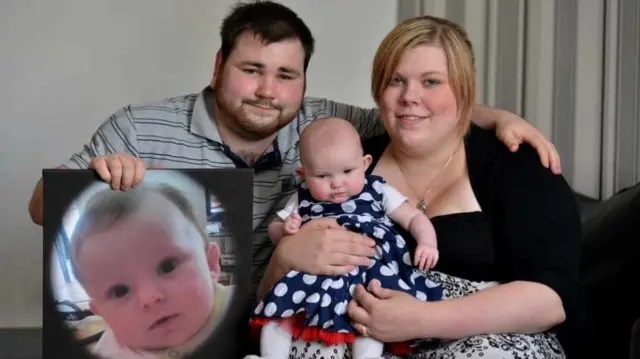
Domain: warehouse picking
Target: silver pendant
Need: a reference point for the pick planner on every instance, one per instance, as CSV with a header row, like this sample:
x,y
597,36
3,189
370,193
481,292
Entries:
x,y
422,206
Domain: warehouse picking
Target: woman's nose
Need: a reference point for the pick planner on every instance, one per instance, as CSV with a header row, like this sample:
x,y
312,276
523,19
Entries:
x,y
410,94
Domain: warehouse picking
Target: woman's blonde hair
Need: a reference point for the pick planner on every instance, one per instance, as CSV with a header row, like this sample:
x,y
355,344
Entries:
x,y
434,31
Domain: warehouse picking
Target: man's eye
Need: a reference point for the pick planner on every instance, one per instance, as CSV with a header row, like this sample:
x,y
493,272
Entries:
x,y
168,266
118,291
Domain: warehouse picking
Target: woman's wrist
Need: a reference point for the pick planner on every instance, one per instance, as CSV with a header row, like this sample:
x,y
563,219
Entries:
x,y
428,316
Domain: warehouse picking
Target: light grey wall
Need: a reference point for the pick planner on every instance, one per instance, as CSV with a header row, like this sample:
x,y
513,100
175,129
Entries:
x,y
568,66
68,64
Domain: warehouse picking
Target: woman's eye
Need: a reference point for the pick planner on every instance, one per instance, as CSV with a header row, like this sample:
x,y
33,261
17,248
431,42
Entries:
x,y
396,81
431,83
118,291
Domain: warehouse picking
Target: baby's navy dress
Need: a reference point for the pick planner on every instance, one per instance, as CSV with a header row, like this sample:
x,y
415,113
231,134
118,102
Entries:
x,y
324,299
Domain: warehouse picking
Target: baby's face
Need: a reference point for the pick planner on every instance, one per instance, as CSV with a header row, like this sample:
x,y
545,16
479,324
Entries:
x,y
337,174
150,279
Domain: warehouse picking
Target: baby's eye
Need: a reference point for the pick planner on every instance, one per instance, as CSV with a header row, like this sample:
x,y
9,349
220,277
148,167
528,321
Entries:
x,y
168,266
348,171
118,291
322,176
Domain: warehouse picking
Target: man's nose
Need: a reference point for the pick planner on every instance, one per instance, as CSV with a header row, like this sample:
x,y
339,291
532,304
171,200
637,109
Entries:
x,y
265,87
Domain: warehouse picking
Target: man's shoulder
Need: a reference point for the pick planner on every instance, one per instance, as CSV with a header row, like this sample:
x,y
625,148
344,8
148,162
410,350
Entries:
x,y
312,107
164,107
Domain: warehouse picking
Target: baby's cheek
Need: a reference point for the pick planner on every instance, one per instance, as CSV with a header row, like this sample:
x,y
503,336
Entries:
x,y
194,286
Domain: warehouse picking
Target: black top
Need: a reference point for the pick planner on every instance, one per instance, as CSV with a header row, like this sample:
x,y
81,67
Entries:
x,y
529,227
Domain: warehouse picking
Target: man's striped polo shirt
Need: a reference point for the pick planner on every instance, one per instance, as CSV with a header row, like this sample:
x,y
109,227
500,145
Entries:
x,y
180,133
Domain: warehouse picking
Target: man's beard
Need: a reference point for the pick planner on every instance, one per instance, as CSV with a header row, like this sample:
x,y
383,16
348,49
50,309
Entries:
x,y
244,124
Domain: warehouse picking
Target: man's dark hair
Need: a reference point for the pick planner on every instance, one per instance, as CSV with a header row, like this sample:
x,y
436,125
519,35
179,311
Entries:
x,y
271,21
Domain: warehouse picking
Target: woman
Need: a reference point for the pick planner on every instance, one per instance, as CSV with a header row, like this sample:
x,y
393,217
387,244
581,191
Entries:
x,y
505,224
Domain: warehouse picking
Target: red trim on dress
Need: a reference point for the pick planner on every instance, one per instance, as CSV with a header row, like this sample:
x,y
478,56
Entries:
x,y
295,325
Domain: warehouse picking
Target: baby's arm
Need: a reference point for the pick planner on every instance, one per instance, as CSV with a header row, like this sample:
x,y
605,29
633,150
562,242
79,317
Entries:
x,y
415,222
287,221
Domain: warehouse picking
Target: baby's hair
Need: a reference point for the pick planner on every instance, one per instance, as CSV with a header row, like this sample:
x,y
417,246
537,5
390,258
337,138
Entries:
x,y
108,208
326,132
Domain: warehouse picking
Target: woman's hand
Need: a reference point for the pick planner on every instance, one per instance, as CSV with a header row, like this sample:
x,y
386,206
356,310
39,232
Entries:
x,y
322,247
384,314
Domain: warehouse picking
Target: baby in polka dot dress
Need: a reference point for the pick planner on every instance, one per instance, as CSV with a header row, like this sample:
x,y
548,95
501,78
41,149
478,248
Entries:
x,y
150,271
313,308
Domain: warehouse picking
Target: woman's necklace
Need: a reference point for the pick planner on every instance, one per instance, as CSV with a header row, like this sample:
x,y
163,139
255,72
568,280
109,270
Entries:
x,y
422,205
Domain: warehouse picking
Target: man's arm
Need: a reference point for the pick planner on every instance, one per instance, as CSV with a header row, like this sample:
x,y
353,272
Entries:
x,y
369,123
510,128
115,135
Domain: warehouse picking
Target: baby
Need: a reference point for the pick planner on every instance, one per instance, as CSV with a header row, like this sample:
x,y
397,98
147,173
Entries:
x,y
150,273
335,185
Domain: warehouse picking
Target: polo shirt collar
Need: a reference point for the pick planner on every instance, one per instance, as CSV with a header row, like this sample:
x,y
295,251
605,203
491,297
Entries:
x,y
202,122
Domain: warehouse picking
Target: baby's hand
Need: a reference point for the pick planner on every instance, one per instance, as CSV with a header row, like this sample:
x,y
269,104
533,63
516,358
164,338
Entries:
x,y
426,257
292,223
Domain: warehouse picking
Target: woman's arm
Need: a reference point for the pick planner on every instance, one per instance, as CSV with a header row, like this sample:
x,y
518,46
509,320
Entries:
x,y
393,316
515,307
537,239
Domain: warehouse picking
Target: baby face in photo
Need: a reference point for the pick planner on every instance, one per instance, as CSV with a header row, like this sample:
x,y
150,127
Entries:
x,y
150,275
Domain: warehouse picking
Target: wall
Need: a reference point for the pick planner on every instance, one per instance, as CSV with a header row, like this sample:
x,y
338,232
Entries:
x,y
67,65
570,67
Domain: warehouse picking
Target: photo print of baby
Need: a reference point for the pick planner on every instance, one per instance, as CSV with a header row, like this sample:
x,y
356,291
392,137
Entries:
x,y
158,271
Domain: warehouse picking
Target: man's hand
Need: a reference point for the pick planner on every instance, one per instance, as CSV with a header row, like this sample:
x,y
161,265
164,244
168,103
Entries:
x,y
322,247
513,131
292,224
122,170
426,257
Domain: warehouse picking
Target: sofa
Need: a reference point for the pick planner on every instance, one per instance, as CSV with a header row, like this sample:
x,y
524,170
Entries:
x,y
610,258
610,275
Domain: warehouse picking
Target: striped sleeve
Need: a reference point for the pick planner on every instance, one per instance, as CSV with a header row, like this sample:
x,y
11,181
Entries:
x,y
366,121
115,135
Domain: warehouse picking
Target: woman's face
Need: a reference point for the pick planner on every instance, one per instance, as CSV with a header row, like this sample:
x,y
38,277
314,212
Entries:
x,y
418,107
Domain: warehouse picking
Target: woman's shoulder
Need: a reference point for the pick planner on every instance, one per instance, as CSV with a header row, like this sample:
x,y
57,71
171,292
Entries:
x,y
486,151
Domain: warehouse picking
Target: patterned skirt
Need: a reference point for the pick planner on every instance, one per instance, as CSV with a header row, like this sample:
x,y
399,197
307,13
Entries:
x,y
498,346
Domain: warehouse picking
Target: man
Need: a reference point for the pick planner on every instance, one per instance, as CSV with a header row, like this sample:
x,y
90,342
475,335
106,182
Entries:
x,y
250,116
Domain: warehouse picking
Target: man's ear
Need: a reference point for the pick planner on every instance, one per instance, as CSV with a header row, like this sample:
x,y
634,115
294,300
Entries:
x,y
367,159
300,172
213,260
216,68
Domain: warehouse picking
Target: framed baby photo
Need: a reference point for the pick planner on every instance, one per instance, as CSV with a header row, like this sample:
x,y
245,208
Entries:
x,y
158,270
